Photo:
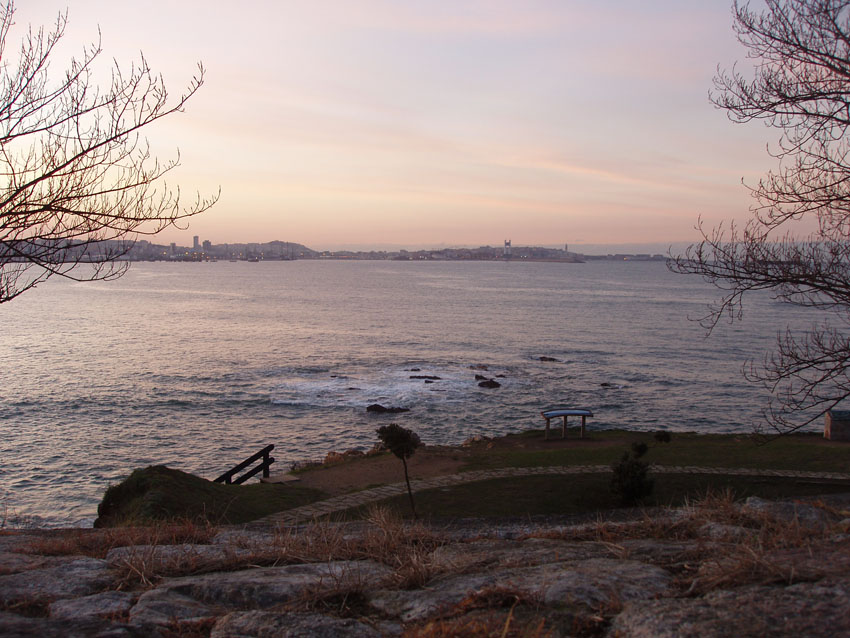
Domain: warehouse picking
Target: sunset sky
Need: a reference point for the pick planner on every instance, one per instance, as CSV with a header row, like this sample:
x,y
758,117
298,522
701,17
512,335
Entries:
x,y
413,123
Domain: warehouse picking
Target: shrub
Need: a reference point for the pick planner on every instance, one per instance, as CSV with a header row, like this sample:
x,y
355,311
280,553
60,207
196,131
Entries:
x,y
630,481
662,437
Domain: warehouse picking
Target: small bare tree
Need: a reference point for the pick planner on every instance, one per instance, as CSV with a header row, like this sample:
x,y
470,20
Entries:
x,y
78,183
801,86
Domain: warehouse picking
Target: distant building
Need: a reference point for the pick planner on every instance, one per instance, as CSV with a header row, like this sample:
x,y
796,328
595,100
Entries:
x,y
207,245
195,244
507,252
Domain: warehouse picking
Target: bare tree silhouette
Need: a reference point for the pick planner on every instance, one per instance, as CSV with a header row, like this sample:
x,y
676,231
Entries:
x,y
801,86
78,182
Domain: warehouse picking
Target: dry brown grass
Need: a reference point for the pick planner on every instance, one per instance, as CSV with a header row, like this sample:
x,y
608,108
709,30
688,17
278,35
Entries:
x,y
774,550
763,549
387,539
781,552
688,522
97,542
146,565
338,595
404,547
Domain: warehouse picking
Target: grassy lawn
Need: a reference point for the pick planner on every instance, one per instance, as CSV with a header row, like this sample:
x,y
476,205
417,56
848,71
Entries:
x,y
808,452
158,493
579,494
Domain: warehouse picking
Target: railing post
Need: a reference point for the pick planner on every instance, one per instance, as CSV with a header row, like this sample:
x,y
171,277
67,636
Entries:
x,y
265,454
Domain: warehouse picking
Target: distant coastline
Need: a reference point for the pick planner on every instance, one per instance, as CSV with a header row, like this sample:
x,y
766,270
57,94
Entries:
x,y
287,251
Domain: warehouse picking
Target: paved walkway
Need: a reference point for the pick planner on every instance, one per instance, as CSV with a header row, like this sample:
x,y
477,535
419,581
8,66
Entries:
x,y
343,502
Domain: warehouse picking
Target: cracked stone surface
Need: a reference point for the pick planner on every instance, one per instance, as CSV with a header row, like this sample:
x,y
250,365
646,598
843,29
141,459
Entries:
x,y
15,626
592,583
264,587
624,584
161,607
80,577
95,606
805,609
264,624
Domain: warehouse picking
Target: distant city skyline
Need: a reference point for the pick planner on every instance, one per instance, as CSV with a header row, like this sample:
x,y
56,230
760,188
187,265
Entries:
x,y
585,249
424,124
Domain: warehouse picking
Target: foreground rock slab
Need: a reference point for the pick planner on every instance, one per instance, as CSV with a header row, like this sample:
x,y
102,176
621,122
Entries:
x,y
755,569
15,626
80,577
262,624
265,587
594,583
804,609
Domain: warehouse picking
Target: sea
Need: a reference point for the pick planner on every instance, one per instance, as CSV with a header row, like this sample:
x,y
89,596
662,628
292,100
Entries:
x,y
199,365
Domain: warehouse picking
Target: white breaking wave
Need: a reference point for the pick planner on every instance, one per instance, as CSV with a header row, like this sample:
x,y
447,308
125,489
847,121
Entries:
x,y
391,387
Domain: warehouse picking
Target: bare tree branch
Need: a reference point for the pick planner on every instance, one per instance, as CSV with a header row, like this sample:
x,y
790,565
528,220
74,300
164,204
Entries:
x,y
78,183
801,86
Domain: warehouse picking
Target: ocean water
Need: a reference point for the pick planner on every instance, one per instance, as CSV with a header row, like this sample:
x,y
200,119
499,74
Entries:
x,y
197,366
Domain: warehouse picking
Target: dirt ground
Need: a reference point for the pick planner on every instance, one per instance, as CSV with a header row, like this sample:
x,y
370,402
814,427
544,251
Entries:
x,y
429,461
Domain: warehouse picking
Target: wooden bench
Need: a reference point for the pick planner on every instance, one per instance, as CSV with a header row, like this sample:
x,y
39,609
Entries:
x,y
551,413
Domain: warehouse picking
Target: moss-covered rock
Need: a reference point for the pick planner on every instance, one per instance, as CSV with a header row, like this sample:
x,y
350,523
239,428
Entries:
x,y
159,493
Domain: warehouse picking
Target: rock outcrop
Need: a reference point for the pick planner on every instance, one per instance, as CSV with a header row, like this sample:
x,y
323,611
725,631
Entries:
x,y
756,569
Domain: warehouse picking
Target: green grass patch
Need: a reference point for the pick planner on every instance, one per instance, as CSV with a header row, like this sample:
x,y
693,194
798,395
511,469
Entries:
x,y
585,493
158,493
805,452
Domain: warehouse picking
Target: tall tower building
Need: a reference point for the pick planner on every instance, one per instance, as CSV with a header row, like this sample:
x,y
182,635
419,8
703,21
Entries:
x,y
195,243
507,252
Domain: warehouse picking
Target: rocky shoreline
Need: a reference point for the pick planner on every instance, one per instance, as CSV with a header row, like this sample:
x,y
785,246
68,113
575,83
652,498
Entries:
x,y
714,569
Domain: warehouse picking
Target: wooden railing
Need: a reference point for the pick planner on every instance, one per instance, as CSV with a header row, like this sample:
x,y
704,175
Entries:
x,y
263,467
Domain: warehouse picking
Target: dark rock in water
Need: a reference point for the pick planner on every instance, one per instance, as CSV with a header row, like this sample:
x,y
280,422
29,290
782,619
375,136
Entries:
x,y
377,408
553,359
490,383
607,385
500,376
414,369
429,377
428,381
478,366
480,377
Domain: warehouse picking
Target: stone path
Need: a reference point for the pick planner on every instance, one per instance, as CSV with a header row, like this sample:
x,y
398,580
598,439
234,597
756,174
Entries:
x,y
343,502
